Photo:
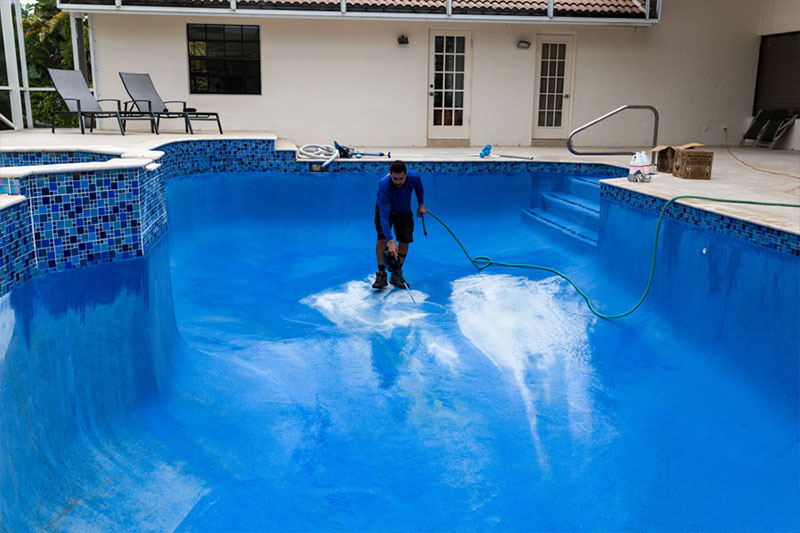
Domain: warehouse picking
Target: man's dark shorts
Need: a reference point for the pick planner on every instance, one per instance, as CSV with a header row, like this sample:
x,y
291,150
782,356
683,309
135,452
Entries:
x,y
403,224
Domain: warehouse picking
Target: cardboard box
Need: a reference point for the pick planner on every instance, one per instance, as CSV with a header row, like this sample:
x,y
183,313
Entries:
x,y
665,155
693,164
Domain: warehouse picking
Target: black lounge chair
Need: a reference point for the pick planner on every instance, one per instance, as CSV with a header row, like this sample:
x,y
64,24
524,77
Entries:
x,y
146,99
73,90
774,130
756,126
768,127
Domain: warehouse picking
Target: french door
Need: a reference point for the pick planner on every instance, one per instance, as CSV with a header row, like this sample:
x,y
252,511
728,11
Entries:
x,y
449,84
553,87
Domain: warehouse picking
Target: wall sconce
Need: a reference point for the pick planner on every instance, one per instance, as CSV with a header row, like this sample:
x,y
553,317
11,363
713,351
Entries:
x,y
402,40
523,44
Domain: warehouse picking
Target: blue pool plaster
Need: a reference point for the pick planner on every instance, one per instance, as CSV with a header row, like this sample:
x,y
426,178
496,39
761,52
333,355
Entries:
x,y
238,373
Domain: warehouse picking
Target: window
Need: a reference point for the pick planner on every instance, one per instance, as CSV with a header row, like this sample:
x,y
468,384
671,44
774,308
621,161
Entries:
x,y
224,59
448,80
551,84
778,83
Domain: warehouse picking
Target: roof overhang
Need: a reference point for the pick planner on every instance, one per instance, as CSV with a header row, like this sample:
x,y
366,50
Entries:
x,y
343,14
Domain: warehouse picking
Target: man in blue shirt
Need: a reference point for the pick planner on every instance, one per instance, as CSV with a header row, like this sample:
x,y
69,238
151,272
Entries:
x,y
393,208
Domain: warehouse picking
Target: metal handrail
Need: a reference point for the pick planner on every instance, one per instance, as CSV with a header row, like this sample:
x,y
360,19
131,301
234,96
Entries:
x,y
617,110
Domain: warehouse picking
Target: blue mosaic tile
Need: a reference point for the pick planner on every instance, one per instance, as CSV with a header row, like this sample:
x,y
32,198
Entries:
x,y
154,207
9,186
24,159
85,218
482,166
17,258
774,239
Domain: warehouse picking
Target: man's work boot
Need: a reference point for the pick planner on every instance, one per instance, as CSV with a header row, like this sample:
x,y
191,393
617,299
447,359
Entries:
x,y
397,279
380,280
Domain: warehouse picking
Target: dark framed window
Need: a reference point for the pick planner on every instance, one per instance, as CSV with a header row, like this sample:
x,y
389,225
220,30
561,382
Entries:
x,y
224,59
778,82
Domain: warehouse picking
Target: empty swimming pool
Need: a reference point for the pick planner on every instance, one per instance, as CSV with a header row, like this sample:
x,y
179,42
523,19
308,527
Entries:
x,y
244,376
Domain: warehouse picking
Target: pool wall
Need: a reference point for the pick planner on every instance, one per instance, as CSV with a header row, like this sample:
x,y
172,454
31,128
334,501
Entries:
x,y
78,351
730,287
17,256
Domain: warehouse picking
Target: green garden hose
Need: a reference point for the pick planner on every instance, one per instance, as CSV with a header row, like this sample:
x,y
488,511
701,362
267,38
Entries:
x,y
481,262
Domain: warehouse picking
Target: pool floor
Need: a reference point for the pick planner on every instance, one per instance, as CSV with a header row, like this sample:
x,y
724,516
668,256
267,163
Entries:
x,y
496,402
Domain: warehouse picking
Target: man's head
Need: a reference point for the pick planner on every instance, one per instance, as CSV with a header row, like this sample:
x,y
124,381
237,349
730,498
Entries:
x,y
398,173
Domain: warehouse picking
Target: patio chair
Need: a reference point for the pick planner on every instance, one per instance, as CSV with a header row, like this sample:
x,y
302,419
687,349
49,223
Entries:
x,y
72,88
774,130
756,125
146,99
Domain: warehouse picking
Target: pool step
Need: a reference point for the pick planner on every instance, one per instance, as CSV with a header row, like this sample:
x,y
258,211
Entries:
x,y
559,226
573,208
588,188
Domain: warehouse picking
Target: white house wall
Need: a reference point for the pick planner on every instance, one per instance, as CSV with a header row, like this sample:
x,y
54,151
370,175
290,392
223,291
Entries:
x,y
351,81
779,16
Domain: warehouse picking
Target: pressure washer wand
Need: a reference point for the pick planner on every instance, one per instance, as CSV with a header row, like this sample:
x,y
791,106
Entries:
x,y
408,288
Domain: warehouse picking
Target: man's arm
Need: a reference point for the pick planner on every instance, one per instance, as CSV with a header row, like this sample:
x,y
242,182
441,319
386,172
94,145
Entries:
x,y
418,189
385,207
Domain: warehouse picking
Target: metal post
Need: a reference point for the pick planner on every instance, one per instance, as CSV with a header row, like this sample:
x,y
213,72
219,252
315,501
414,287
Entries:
x,y
550,10
449,7
23,64
93,57
11,63
343,6
647,10
78,48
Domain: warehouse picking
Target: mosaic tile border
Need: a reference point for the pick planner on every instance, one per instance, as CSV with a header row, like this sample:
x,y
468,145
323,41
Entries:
x,y
24,159
774,239
17,259
84,218
259,155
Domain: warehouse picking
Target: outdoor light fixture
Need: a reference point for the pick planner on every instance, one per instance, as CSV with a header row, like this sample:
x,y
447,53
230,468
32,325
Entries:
x,y
523,44
402,40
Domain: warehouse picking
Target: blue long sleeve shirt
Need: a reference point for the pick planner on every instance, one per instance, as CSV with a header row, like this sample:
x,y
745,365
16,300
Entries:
x,y
393,199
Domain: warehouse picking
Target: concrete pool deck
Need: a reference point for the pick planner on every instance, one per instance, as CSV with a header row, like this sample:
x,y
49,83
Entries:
x,y
730,178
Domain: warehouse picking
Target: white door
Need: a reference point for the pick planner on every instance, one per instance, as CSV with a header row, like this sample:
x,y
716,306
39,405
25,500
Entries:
x,y
552,105
448,84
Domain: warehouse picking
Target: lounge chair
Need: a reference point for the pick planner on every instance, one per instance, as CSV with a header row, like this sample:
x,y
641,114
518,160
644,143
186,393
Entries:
x,y
756,126
774,130
146,99
73,90
767,127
